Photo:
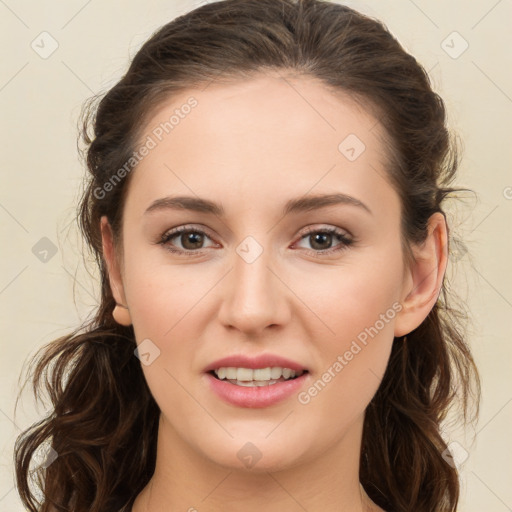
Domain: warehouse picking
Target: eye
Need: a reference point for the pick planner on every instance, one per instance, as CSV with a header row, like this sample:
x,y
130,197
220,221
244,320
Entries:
x,y
185,239
321,240
188,240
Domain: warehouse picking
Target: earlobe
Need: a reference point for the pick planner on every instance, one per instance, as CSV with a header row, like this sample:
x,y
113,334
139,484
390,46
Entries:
x,y
121,313
424,277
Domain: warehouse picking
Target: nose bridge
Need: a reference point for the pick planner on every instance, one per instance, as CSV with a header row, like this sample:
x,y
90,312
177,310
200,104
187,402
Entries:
x,y
253,296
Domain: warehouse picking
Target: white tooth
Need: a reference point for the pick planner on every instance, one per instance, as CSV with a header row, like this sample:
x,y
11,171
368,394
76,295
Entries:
x,y
231,373
244,374
262,374
259,374
276,372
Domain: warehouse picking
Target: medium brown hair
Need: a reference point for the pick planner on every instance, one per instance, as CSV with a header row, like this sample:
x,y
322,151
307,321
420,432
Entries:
x,y
103,424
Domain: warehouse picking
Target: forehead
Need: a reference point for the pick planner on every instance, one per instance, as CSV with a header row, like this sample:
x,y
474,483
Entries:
x,y
270,134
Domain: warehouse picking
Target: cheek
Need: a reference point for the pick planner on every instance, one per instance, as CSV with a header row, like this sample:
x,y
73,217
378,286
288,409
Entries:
x,y
358,304
354,295
165,301
163,296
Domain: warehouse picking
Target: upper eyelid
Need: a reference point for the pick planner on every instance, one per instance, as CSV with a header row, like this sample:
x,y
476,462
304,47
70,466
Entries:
x,y
314,229
309,229
186,227
179,230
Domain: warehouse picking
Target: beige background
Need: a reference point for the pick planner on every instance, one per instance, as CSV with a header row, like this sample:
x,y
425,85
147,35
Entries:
x,y
40,99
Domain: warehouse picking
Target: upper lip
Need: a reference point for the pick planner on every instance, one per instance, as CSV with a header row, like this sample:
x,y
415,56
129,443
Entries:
x,y
260,361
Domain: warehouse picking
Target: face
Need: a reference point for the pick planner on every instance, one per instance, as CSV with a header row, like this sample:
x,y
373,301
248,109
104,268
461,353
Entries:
x,y
274,270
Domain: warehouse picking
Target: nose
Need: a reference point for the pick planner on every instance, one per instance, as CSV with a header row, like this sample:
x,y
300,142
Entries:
x,y
254,297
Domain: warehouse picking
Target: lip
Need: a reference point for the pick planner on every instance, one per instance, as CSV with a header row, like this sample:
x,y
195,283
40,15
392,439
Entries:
x,y
255,397
260,361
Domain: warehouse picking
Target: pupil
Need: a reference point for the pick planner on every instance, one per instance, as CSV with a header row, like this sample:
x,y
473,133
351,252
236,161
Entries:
x,y
192,238
321,237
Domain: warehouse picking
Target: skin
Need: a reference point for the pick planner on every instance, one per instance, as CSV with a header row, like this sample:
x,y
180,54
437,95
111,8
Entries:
x,y
251,146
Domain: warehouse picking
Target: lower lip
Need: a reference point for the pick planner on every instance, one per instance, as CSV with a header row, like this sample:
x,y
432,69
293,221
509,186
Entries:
x,y
257,396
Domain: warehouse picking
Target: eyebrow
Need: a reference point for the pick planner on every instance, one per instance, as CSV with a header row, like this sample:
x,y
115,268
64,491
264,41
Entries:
x,y
301,204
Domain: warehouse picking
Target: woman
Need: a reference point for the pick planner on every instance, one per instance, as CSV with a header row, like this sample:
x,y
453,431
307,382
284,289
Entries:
x,y
265,207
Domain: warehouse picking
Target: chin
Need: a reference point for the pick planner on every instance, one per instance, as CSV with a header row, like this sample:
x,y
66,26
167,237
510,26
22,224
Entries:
x,y
256,456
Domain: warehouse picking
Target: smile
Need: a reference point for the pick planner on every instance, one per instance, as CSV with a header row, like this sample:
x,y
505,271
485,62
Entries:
x,y
258,377
251,393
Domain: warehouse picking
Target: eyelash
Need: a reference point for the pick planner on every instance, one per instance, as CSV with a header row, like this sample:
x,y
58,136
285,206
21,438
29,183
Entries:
x,y
342,237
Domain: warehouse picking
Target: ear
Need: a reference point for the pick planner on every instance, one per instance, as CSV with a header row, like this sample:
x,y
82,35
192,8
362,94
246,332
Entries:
x,y
121,312
424,277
